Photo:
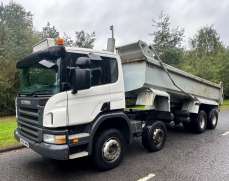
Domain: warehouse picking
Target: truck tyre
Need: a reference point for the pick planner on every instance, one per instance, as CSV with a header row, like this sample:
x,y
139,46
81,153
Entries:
x,y
154,136
199,122
108,149
212,119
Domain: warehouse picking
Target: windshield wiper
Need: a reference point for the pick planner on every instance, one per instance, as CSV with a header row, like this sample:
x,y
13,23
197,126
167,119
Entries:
x,y
40,92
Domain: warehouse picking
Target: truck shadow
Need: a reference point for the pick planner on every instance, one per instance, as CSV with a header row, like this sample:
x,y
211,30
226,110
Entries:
x,y
78,168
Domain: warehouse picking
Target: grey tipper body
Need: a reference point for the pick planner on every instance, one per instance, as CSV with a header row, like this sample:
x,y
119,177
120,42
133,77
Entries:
x,y
141,70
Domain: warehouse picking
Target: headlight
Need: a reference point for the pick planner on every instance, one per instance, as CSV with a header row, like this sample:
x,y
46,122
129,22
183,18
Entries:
x,y
54,139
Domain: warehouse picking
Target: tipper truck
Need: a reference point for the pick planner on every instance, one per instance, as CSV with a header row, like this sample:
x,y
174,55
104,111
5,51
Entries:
x,y
76,102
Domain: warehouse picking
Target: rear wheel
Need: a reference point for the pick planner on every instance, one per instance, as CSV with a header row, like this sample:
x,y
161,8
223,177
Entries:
x,y
154,136
199,122
212,119
109,149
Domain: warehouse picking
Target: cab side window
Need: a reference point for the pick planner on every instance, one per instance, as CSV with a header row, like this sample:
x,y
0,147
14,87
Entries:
x,y
106,72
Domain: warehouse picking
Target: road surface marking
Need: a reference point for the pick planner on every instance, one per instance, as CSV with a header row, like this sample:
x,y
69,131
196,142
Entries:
x,y
148,177
225,133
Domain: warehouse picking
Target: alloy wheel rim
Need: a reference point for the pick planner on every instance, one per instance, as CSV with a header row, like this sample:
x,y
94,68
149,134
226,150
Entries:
x,y
111,150
202,123
214,120
158,136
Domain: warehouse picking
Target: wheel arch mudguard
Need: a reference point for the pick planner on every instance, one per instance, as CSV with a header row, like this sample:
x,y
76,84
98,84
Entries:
x,y
103,119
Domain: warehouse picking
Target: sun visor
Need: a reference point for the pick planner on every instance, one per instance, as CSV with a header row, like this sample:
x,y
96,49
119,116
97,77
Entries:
x,y
50,53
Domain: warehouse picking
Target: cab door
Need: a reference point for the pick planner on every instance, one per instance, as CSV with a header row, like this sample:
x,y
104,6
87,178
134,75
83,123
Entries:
x,y
85,105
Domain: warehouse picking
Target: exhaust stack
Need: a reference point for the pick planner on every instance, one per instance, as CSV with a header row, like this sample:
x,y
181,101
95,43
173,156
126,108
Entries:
x,y
111,41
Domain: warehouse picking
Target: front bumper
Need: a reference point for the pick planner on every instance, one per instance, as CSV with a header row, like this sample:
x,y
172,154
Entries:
x,y
57,152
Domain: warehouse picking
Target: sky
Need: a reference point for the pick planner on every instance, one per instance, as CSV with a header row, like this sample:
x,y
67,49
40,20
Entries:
x,y
132,19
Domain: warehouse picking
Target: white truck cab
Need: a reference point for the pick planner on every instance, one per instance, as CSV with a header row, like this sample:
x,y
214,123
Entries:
x,y
105,91
75,102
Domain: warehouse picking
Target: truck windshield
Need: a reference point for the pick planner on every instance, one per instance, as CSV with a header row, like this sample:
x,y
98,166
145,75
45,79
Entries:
x,y
41,78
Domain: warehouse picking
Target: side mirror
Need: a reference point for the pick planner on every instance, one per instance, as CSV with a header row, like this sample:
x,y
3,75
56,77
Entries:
x,y
80,79
83,62
89,62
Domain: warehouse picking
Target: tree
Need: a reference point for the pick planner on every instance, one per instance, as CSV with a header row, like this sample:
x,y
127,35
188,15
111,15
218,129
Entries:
x,y
167,41
15,31
223,72
208,58
49,31
84,40
16,40
206,41
68,40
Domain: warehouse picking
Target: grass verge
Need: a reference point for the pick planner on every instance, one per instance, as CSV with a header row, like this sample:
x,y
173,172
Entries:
x,y
7,127
225,104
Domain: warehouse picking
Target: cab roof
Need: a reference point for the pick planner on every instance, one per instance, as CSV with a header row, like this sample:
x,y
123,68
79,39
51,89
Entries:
x,y
88,50
55,52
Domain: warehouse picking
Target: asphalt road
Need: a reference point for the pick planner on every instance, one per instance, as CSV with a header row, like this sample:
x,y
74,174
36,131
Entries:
x,y
186,157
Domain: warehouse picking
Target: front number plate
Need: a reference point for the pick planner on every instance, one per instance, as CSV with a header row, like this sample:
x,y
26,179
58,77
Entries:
x,y
25,143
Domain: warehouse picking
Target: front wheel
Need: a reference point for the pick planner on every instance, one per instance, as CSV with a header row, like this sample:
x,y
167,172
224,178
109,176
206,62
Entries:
x,y
109,149
154,136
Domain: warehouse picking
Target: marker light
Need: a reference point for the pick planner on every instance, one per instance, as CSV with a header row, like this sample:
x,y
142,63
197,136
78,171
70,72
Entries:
x,y
74,139
59,41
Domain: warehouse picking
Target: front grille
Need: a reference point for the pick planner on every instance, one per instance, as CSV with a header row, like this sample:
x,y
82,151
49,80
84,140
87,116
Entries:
x,y
30,115
29,124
